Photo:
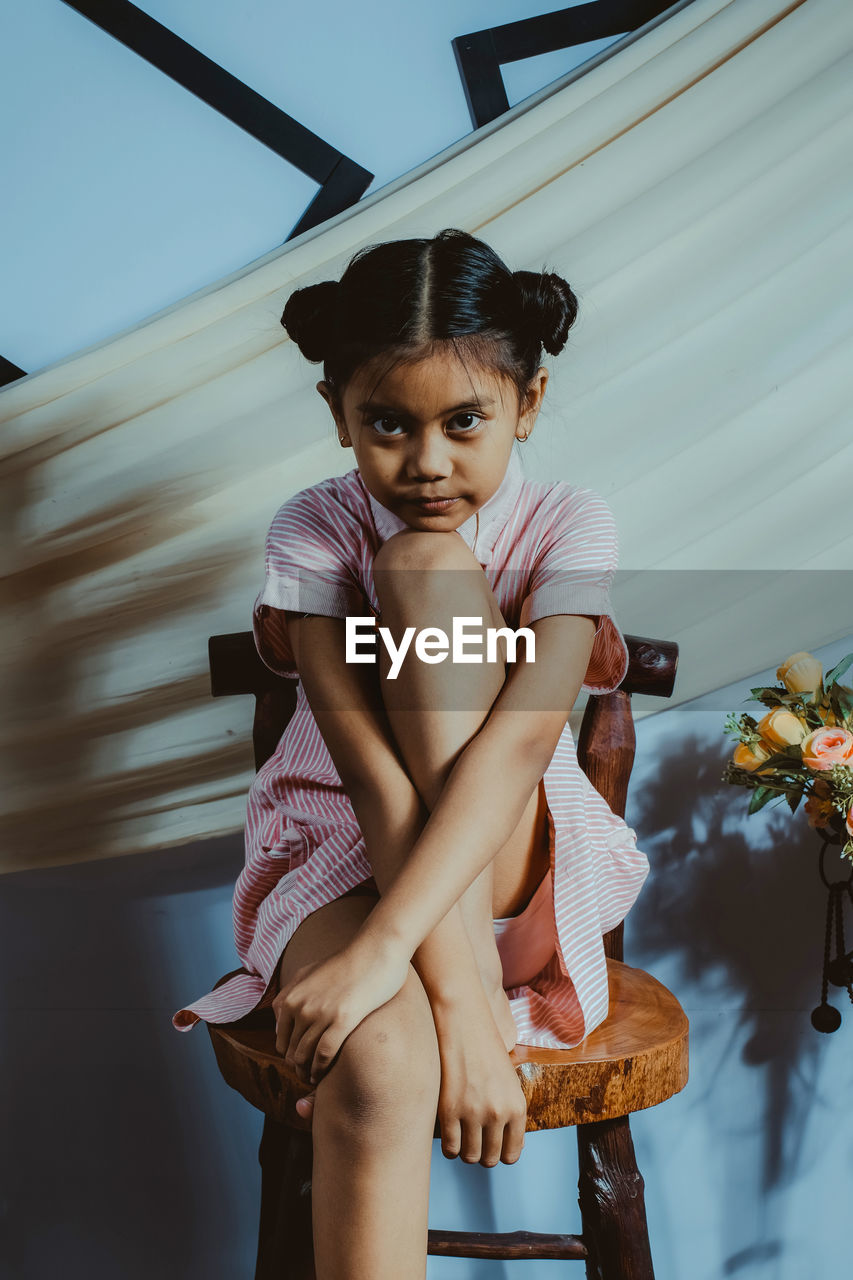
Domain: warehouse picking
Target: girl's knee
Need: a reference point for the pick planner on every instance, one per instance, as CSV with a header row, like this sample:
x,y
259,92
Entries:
x,y
423,549
388,1066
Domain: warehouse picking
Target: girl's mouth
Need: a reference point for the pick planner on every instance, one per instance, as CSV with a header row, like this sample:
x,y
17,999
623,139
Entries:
x,y
433,504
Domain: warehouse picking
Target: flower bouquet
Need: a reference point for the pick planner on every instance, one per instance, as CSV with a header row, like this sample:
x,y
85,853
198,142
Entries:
x,y
801,748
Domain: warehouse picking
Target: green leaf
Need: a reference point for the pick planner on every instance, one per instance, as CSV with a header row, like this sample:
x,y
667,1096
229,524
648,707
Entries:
x,y
761,693
837,671
841,702
781,759
760,797
794,798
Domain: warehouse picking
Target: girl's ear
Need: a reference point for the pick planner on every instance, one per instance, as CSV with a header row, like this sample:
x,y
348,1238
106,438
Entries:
x,y
533,399
331,400
329,396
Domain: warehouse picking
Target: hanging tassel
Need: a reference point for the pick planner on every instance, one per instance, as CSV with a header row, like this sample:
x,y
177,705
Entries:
x,y
839,970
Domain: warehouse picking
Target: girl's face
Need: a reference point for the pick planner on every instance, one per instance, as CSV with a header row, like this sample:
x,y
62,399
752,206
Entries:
x,y
423,435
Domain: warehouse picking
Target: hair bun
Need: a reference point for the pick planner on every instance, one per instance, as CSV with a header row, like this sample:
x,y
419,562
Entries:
x,y
309,317
549,307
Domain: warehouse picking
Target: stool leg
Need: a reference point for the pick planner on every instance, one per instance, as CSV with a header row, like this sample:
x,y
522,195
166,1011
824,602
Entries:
x,y
285,1238
612,1205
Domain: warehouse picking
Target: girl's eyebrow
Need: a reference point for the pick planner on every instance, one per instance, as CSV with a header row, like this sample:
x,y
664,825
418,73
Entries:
x,y
367,406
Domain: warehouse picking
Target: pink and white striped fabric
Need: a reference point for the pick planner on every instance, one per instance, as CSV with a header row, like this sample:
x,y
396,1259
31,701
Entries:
x,y
546,548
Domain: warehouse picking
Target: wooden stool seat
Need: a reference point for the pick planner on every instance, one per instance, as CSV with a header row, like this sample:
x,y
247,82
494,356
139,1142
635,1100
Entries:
x,y
635,1059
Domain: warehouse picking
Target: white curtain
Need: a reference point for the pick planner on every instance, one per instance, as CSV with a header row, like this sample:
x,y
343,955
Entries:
x,y
695,188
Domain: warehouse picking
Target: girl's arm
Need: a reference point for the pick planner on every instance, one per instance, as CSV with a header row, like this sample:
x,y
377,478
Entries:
x,y
480,1092
482,799
347,705
489,785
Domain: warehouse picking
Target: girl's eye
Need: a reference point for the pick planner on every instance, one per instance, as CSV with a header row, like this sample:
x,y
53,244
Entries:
x,y
466,423
473,420
375,421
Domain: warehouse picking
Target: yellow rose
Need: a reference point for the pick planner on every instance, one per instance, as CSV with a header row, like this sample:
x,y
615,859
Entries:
x,y
782,727
747,757
801,673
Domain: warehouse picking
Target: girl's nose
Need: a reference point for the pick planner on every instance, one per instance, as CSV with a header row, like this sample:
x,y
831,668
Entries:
x,y
429,456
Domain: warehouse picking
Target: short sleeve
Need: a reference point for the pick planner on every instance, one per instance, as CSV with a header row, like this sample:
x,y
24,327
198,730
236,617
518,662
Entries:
x,y
311,560
572,573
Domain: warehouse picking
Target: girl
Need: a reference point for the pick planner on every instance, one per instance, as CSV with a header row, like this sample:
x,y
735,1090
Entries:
x,y
428,871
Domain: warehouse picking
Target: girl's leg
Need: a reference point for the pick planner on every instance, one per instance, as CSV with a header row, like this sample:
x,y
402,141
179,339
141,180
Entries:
x,y
374,1116
425,579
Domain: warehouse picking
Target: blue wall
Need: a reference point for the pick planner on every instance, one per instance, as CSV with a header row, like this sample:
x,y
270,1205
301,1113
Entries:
x,y
127,193
126,1155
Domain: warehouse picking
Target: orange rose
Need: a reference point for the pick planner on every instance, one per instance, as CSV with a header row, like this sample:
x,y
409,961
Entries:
x,y
824,748
848,822
818,811
801,673
782,727
746,757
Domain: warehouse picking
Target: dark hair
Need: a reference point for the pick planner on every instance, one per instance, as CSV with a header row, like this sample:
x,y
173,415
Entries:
x,y
403,296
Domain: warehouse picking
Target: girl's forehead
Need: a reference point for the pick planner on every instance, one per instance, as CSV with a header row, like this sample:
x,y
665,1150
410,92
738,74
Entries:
x,y
438,377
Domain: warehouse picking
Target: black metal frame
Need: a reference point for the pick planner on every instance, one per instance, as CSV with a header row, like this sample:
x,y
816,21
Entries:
x,y
481,54
341,180
9,372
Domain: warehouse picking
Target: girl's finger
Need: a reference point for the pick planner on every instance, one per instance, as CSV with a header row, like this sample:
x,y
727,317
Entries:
x,y
283,1031
472,1142
305,1106
492,1143
513,1140
451,1137
326,1050
303,1053
300,1050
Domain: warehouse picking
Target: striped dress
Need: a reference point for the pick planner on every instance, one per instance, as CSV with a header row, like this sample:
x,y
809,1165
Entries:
x,y
546,547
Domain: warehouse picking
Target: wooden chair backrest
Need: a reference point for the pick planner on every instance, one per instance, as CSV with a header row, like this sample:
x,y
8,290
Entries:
x,y
605,746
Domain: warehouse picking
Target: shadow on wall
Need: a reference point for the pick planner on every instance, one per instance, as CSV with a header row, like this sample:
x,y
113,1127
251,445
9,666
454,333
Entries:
x,y
734,902
75,605
124,1153
128,1156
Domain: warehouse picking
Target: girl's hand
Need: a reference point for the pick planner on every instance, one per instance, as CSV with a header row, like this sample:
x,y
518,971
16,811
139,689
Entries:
x,y
326,1000
482,1110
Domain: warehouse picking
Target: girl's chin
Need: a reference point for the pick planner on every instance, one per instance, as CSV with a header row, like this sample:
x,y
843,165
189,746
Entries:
x,y
435,520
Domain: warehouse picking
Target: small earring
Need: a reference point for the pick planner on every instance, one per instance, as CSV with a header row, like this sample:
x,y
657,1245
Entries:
x,y
524,437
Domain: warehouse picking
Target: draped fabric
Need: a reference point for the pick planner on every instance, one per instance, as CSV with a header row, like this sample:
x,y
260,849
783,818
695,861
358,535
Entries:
x,y
694,187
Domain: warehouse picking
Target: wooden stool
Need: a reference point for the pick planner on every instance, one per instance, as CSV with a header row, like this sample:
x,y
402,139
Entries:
x,y
635,1059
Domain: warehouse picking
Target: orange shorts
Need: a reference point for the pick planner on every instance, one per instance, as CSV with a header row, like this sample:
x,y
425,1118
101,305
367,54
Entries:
x,y
526,942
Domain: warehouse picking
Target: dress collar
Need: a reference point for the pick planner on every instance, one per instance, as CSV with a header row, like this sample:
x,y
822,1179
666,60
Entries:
x,y
480,531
